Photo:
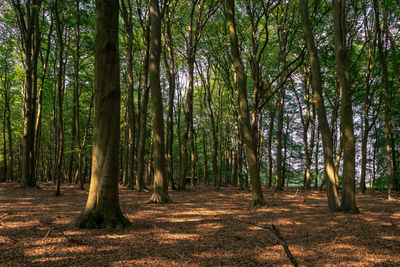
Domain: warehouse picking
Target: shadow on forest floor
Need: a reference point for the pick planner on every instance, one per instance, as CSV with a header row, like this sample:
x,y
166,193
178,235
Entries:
x,y
202,227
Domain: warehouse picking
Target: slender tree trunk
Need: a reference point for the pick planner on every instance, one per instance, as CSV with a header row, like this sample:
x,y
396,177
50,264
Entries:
x,y
316,161
385,86
270,133
60,99
316,84
249,135
4,174
205,163
126,10
160,189
170,65
143,116
278,175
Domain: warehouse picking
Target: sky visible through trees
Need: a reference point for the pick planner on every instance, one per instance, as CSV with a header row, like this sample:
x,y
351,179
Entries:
x,y
248,94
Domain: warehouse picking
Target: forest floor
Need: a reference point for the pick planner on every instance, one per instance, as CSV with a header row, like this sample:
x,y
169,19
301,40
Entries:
x,y
201,227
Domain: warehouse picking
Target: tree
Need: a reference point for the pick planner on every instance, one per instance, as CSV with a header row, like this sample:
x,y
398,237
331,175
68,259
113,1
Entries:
x,y
160,189
102,207
348,203
28,22
316,84
385,86
249,135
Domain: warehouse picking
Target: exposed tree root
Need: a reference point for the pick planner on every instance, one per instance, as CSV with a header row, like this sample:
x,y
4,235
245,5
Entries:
x,y
258,203
102,219
159,198
279,236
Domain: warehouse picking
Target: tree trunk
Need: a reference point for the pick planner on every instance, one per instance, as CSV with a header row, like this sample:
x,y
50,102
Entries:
x,y
170,65
28,21
143,115
316,83
60,98
385,86
346,110
270,133
160,189
249,135
102,207
126,11
205,164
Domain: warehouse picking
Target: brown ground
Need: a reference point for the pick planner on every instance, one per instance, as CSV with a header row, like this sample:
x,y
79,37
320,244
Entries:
x,y
200,228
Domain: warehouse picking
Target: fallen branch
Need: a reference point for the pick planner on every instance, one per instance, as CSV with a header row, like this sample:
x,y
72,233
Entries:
x,y
281,240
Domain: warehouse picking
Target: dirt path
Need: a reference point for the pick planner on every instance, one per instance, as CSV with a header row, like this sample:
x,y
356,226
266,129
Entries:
x,y
202,227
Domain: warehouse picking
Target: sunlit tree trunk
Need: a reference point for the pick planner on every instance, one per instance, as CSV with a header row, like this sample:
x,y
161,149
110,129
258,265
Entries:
x,y
102,207
323,125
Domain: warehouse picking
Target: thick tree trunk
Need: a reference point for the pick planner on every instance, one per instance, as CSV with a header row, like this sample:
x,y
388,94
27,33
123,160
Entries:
x,y
249,135
160,189
102,207
28,21
316,83
346,110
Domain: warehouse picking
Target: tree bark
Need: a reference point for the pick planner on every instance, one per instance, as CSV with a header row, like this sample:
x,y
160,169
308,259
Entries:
x,y
102,207
143,114
126,10
249,135
28,22
348,203
316,84
385,86
170,65
160,189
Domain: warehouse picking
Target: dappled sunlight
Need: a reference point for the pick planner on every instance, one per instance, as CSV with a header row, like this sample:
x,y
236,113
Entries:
x,y
202,227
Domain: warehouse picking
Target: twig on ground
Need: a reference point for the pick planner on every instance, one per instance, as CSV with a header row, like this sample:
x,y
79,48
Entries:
x,y
48,233
333,242
281,240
